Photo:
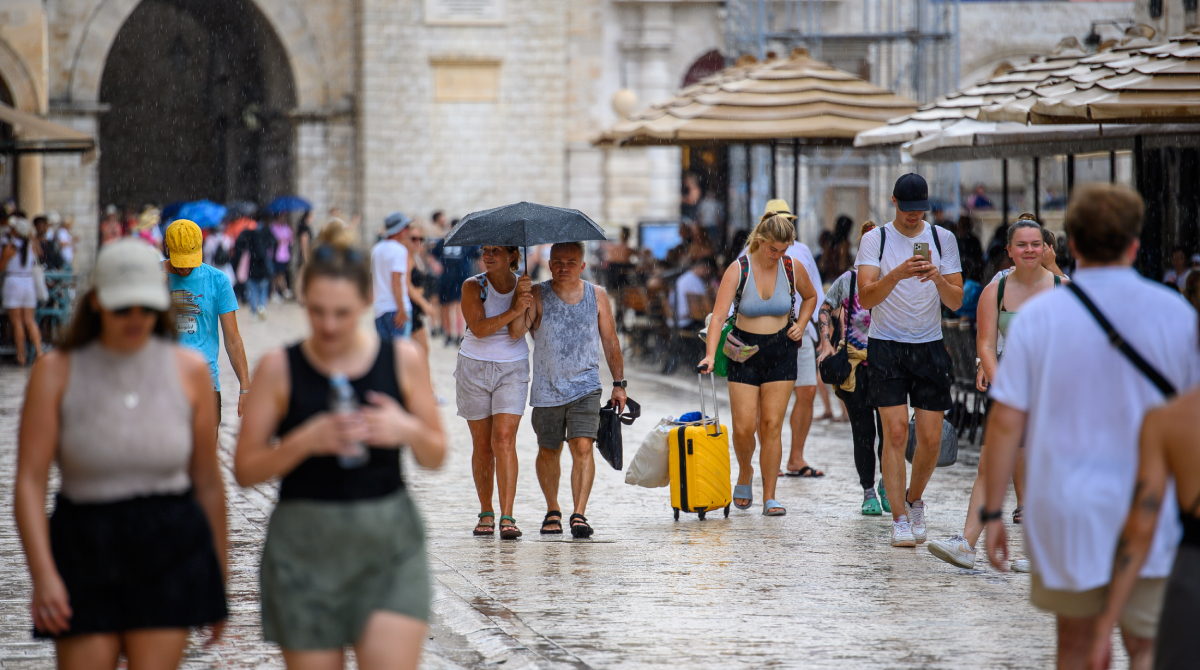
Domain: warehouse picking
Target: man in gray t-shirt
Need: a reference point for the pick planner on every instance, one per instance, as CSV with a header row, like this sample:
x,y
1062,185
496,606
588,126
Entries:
x,y
571,320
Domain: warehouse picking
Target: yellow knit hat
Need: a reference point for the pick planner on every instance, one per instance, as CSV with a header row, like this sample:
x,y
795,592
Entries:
x,y
185,244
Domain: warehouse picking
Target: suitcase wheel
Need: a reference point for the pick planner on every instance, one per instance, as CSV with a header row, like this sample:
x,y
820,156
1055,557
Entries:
x,y
727,511
676,513
702,515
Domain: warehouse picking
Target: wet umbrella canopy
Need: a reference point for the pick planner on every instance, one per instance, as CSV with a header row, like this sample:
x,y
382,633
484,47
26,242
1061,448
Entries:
x,y
285,204
524,224
205,213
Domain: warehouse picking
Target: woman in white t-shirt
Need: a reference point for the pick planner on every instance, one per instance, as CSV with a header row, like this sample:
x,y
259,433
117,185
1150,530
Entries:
x,y
17,259
998,305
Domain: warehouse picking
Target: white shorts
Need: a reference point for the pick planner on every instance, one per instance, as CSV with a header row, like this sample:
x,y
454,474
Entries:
x,y
19,293
806,363
484,388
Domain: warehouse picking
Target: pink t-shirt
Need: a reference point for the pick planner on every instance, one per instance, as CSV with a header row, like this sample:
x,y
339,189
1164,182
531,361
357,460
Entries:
x,y
283,239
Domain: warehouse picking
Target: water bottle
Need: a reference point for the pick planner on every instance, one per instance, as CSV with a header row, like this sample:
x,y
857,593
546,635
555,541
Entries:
x,y
343,401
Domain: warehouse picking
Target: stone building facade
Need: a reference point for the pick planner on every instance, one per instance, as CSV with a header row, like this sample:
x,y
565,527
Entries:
x,y
376,105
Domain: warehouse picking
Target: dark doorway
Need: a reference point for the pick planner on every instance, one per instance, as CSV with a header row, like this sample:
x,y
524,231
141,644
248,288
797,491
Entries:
x,y
199,94
8,162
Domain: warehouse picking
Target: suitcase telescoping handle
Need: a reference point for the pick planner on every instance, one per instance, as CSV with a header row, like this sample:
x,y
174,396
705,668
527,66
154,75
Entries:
x,y
716,420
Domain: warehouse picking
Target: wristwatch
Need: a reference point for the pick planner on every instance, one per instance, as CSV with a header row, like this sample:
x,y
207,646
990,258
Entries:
x,y
986,516
620,383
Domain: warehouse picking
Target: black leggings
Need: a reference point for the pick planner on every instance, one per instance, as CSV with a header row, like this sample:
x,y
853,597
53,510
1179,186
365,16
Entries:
x,y
865,425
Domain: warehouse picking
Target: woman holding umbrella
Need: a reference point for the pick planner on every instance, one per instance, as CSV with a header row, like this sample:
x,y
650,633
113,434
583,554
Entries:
x,y
492,378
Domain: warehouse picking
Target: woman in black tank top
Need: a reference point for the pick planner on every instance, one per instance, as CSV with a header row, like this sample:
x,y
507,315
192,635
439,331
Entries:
x,y
345,561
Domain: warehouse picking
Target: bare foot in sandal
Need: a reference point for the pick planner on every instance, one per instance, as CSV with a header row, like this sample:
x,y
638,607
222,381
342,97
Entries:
x,y
487,528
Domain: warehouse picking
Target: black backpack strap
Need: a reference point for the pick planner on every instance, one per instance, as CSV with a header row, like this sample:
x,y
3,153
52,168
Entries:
x,y
1000,295
937,240
789,269
744,267
882,240
1166,387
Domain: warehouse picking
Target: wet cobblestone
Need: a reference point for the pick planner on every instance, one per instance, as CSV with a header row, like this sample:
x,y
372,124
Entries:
x,y
818,588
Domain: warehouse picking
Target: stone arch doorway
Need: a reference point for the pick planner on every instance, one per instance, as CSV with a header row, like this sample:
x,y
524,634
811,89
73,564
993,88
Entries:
x,y
199,95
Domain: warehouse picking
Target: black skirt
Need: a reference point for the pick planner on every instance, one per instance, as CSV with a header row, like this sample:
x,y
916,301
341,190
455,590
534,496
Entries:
x,y
143,563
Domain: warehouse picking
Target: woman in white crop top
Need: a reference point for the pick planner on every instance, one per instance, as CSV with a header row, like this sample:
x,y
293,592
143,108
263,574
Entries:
x,y
134,554
492,382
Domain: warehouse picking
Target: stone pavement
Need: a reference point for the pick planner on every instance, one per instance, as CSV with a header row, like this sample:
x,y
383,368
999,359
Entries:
x,y
818,588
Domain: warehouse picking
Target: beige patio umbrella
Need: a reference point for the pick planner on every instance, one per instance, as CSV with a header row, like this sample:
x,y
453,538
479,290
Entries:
x,y
33,134
1139,84
794,98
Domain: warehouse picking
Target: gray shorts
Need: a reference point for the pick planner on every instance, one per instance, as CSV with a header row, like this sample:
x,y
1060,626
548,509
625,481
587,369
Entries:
x,y
578,418
484,388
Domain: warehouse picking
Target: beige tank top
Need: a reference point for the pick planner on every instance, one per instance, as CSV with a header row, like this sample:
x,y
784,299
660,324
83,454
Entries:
x,y
126,425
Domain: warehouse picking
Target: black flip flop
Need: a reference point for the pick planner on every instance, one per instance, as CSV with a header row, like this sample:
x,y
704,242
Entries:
x,y
581,529
547,521
806,471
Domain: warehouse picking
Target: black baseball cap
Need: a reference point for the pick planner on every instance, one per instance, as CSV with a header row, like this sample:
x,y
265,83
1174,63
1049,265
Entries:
x,y
911,193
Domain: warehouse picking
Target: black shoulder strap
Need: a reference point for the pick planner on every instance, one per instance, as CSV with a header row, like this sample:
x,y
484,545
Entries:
x,y
1000,294
789,269
744,268
937,239
1119,342
882,240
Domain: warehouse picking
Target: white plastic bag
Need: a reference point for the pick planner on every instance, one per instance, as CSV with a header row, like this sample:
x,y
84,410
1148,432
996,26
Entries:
x,y
649,467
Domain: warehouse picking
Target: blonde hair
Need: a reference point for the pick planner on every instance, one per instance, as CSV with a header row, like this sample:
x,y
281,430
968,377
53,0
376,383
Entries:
x,y
771,229
335,231
866,228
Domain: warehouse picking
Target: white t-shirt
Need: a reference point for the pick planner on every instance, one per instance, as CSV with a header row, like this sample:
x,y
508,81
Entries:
x,y
387,257
1085,403
802,253
688,283
912,311
66,244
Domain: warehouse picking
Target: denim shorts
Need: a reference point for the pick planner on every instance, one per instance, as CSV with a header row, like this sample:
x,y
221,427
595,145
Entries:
x,y
386,325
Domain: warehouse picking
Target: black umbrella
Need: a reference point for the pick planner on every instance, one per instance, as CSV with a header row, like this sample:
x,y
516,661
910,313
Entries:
x,y
524,224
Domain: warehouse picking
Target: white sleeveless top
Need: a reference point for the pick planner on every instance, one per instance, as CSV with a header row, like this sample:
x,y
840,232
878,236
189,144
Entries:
x,y
497,347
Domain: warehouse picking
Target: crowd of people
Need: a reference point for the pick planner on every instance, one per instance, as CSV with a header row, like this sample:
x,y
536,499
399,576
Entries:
x,y
1081,371
29,248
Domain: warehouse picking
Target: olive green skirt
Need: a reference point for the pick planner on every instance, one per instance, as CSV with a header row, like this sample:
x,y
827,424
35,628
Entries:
x,y
327,565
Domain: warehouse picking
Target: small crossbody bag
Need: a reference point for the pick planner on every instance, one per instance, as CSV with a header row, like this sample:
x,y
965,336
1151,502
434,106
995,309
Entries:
x,y
734,348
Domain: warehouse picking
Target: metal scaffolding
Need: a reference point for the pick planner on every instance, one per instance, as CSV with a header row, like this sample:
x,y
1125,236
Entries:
x,y
908,46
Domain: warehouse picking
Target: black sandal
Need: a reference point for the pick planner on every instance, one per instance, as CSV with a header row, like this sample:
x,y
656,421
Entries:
x,y
1017,516
485,529
581,529
556,521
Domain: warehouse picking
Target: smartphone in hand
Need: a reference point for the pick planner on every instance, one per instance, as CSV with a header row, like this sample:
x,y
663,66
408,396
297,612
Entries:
x,y
922,249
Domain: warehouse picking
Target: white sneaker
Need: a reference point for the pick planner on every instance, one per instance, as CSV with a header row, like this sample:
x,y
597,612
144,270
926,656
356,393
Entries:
x,y
1020,565
955,551
916,512
902,535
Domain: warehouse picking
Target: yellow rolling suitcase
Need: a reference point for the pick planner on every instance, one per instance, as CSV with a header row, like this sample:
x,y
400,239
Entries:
x,y
698,457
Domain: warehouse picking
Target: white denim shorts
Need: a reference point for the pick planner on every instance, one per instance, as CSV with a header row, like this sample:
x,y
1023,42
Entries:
x,y
484,388
806,363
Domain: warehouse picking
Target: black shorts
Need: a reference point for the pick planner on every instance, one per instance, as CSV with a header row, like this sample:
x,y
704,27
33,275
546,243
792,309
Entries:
x,y
775,360
142,563
910,374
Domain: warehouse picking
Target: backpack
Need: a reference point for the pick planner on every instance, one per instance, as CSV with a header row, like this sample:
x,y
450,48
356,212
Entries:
x,y
220,256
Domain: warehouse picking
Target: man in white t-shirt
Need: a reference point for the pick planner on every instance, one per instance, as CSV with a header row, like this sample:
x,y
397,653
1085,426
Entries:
x,y
389,273
906,271
1076,404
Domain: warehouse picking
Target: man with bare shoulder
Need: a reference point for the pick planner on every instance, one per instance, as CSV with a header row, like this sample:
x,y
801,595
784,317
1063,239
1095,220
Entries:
x,y
571,320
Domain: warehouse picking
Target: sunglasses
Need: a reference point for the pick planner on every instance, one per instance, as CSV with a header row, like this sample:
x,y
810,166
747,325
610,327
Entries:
x,y
416,238
126,311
